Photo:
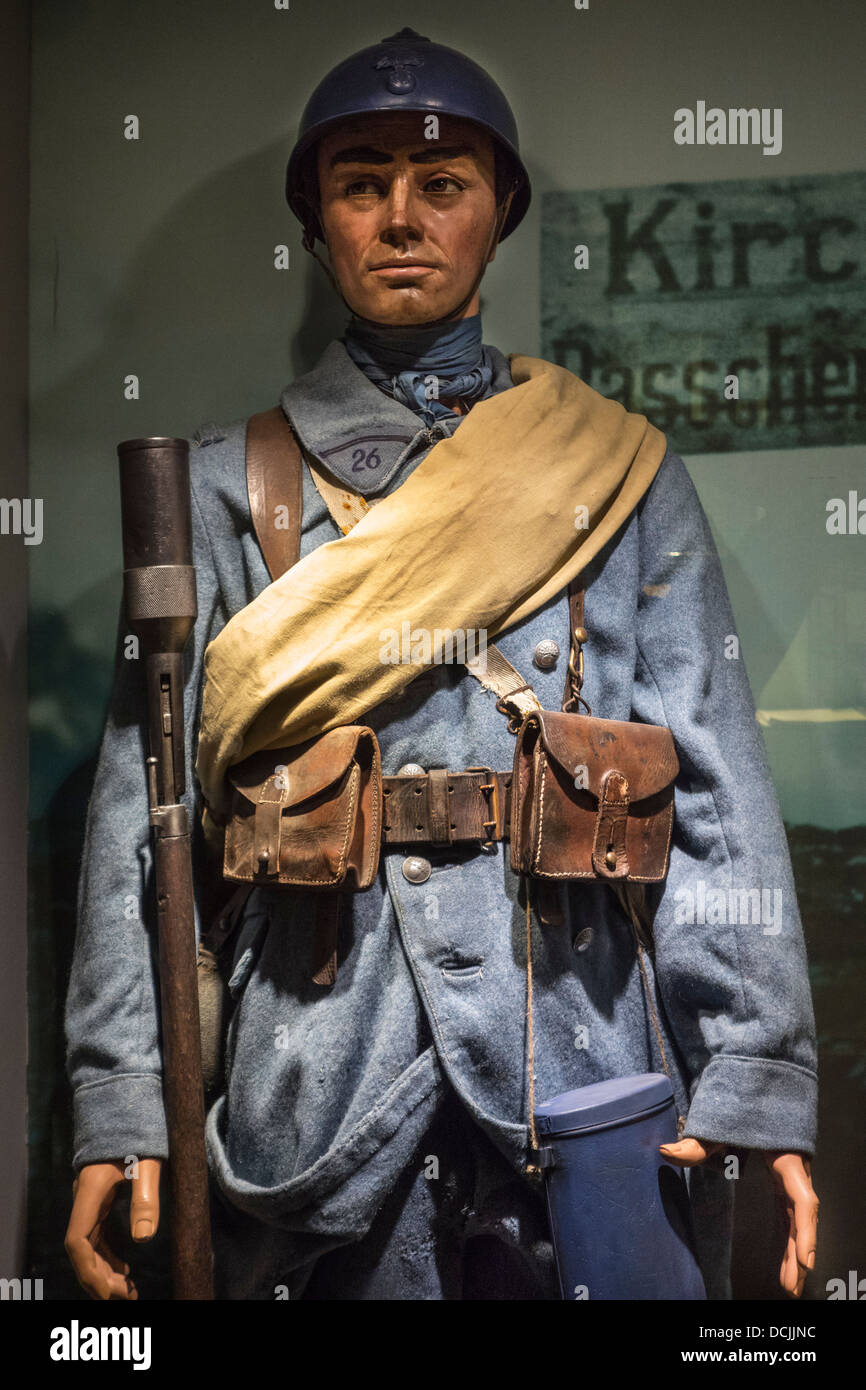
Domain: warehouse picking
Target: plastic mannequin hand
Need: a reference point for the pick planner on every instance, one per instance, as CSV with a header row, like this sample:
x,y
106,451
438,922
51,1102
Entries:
x,y
792,1180
97,1268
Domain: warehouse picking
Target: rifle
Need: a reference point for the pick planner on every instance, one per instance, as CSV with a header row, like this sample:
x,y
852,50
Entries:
x,y
160,596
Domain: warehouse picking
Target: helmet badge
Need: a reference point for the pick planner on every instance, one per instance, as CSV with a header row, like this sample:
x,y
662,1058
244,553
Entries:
x,y
398,76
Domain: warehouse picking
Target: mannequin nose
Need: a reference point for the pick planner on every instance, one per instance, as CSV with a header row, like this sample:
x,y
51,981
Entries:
x,y
401,220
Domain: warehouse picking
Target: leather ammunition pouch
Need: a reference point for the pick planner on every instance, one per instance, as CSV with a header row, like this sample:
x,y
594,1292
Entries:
x,y
309,816
592,798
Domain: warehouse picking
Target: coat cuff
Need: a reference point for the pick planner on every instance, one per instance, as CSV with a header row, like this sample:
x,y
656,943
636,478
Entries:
x,y
119,1117
755,1103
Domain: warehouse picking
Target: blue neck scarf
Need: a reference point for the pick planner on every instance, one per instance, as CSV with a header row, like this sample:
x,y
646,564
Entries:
x,y
419,365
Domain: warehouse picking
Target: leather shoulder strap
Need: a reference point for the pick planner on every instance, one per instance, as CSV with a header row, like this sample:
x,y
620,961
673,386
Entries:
x,y
274,488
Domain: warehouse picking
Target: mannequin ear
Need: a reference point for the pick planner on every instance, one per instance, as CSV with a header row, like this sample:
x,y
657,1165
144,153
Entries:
x,y
309,196
309,244
501,215
312,225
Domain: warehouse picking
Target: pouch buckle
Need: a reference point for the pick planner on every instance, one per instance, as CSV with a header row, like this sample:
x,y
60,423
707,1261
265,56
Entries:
x,y
491,786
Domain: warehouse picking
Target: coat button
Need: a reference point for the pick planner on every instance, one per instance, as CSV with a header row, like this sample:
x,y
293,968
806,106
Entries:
x,y
410,770
546,654
582,941
415,869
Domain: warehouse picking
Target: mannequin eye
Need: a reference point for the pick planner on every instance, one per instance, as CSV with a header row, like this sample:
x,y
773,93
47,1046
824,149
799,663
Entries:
x,y
443,183
361,187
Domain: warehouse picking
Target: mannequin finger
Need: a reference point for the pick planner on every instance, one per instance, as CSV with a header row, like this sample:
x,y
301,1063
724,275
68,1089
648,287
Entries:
x,y
144,1207
789,1273
114,1262
806,1233
90,1208
686,1153
97,1277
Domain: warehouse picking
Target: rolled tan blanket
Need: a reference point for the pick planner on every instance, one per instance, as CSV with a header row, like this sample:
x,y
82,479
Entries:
x,y
491,525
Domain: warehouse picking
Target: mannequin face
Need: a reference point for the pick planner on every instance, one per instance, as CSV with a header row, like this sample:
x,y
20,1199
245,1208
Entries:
x,y
407,221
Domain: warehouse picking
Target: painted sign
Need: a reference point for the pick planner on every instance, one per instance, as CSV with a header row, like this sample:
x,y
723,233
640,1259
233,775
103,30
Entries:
x,y
730,313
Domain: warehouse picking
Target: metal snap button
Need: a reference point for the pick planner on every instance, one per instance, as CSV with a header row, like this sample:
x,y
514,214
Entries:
x,y
410,770
546,654
415,869
582,941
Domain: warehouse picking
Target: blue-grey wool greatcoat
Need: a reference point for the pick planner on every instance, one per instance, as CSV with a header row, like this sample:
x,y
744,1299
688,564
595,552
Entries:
x,y
331,1096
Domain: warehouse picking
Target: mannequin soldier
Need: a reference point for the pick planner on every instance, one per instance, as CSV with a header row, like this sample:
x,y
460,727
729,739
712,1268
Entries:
x,y
371,1137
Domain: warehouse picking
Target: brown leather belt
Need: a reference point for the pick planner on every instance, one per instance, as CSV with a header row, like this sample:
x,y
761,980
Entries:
x,y
446,808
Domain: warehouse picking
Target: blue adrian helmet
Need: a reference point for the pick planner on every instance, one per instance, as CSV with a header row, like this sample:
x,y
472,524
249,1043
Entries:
x,y
406,72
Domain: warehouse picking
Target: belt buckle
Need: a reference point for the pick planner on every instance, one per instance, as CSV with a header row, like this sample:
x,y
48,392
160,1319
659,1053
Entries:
x,y
492,786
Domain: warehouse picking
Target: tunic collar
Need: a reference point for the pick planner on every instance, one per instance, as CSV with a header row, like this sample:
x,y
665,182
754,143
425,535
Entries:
x,y
357,431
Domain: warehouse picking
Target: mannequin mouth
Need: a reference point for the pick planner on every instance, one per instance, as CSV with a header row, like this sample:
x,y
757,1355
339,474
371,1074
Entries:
x,y
403,269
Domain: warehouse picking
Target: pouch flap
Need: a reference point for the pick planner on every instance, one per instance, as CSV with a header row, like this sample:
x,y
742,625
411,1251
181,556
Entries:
x,y
306,769
643,753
